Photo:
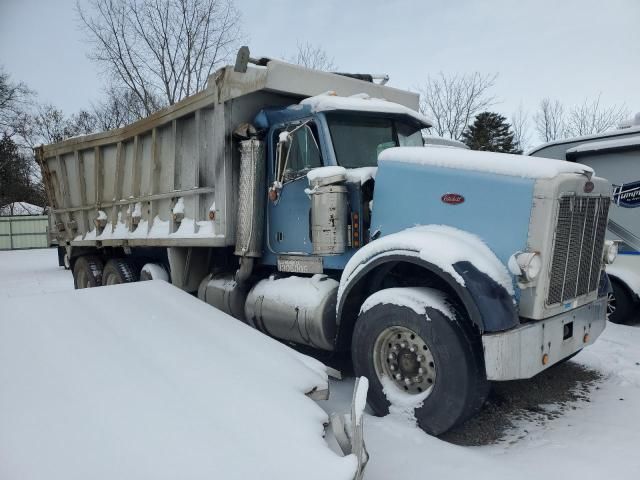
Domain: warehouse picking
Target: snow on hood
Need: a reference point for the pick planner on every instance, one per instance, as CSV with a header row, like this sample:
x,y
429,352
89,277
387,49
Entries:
x,y
487,162
144,381
361,102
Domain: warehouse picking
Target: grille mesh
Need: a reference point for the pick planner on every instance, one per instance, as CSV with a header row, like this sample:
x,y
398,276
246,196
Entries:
x,y
577,249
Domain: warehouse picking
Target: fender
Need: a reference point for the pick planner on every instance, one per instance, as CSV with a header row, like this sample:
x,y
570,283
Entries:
x,y
489,303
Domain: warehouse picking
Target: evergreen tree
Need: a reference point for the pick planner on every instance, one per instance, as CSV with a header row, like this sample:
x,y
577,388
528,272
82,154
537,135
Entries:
x,y
17,184
490,132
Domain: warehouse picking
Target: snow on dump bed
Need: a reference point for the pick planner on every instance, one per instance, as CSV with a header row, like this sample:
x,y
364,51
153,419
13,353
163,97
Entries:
x,y
361,102
144,381
487,162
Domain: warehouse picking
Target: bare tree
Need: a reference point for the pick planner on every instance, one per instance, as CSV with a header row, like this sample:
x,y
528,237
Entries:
x,y
15,99
591,118
48,124
313,56
520,125
120,107
452,101
550,120
161,50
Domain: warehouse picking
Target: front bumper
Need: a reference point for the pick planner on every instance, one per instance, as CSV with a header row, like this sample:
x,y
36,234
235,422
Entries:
x,y
528,349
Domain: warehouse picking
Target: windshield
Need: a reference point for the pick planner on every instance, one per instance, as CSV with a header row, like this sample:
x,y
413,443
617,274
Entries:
x,y
358,139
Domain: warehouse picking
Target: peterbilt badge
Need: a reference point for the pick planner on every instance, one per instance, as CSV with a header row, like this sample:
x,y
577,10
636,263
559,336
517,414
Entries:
x,y
452,198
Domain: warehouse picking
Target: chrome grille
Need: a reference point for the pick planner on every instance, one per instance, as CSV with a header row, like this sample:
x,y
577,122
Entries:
x,y
577,248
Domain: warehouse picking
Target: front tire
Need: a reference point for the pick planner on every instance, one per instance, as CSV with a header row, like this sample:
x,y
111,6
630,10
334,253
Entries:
x,y
421,347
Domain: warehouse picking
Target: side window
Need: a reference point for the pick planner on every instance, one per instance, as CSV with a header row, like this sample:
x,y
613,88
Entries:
x,y
303,152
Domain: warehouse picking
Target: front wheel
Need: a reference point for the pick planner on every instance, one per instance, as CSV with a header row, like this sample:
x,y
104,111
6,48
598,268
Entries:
x,y
419,351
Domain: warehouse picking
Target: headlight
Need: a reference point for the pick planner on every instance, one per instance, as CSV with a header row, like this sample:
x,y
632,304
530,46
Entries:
x,y
526,264
610,251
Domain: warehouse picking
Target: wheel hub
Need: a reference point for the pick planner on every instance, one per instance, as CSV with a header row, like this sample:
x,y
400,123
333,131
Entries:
x,y
403,356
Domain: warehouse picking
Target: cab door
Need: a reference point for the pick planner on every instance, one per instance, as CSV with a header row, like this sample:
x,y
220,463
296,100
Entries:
x,y
289,214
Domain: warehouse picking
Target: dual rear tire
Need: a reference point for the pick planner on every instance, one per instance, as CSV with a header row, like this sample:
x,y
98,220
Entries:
x,y
90,271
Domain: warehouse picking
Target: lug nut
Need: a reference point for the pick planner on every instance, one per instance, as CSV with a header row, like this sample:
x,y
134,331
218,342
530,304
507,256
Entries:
x,y
421,370
419,358
392,367
412,349
391,356
407,381
403,345
398,376
395,348
417,379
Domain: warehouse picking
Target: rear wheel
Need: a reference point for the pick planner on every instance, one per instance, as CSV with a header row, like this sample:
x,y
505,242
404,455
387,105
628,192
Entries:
x,y
119,270
420,352
622,304
87,272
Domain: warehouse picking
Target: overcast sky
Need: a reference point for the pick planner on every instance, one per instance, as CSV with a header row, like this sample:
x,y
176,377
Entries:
x,y
565,49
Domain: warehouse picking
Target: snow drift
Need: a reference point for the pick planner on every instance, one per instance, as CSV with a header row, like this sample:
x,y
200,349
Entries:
x,y
144,381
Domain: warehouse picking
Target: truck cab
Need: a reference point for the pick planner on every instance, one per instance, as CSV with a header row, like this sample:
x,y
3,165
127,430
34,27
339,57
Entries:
x,y
323,132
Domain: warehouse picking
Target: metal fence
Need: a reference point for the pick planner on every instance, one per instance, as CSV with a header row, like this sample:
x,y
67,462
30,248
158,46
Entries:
x,y
24,232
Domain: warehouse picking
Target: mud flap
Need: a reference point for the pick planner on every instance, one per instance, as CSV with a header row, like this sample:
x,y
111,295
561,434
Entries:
x,y
349,433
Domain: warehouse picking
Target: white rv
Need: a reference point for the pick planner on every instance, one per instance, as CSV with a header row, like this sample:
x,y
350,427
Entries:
x,y
615,155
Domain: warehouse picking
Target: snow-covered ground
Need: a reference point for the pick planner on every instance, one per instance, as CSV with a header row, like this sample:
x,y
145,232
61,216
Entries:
x,y
596,437
144,381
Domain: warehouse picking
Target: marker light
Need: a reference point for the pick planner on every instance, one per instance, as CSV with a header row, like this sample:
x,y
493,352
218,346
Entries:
x,y
610,251
529,264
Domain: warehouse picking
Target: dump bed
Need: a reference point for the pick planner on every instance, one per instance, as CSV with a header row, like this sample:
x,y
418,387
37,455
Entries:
x,y
171,179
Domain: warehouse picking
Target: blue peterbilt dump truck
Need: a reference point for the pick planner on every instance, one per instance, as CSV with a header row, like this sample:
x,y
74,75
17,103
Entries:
x,y
305,205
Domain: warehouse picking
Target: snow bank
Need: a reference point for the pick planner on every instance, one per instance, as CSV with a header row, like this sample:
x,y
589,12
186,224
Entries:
x,y
487,162
31,273
154,385
362,103
439,245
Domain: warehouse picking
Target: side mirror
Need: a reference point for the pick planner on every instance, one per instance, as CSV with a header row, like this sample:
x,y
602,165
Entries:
x,y
282,154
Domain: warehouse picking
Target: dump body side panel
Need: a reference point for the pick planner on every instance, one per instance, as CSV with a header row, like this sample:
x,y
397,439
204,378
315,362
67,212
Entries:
x,y
171,179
